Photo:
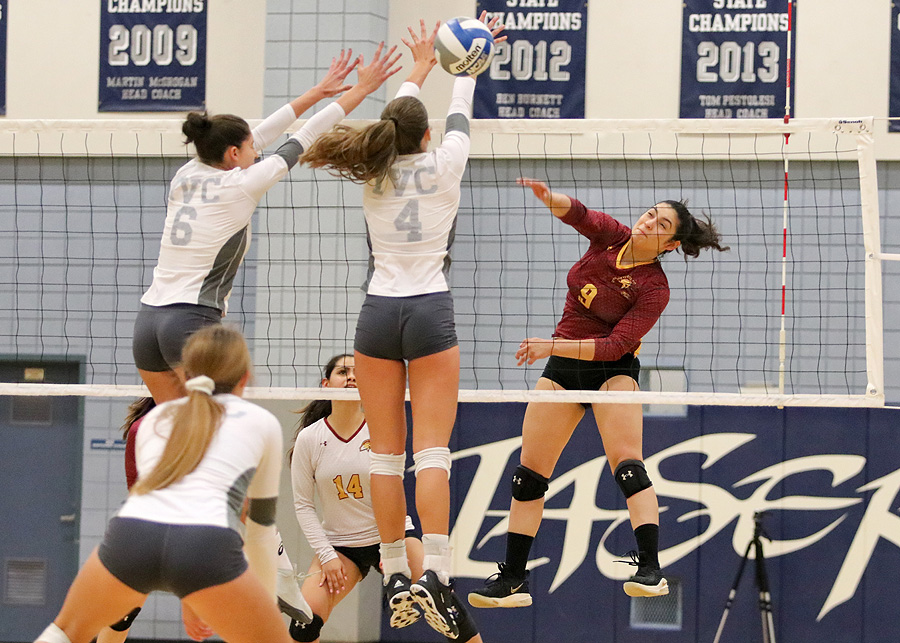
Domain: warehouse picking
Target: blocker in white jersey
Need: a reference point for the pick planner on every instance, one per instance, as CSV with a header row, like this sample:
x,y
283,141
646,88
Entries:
x,y
211,202
405,330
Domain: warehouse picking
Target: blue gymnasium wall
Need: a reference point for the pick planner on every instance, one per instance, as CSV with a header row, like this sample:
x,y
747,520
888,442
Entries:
x,y
829,477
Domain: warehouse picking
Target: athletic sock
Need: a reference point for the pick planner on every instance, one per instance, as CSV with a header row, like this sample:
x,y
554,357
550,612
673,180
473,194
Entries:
x,y
437,555
647,537
518,548
284,562
393,559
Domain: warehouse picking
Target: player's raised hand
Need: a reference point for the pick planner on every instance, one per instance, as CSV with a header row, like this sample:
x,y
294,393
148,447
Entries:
x,y
493,26
373,75
334,81
540,189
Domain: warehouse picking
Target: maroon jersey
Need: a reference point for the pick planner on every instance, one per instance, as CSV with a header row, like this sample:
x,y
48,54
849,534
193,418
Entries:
x,y
131,472
616,306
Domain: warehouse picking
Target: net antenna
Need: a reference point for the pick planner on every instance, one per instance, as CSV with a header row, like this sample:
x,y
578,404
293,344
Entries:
x,y
88,200
782,349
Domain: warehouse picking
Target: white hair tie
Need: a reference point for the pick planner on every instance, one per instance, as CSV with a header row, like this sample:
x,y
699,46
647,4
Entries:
x,y
201,383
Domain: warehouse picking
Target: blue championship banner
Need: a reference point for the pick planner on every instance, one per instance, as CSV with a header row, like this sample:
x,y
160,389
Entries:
x,y
539,71
734,58
2,57
894,107
152,55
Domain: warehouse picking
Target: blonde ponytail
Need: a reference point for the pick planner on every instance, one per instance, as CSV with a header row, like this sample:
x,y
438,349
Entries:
x,y
216,359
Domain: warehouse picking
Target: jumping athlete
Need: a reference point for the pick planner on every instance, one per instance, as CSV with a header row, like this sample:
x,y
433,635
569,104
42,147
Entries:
x,y
410,200
211,201
617,292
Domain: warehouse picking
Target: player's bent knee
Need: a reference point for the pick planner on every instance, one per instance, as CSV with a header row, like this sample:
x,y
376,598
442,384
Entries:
x,y
433,458
53,634
632,478
387,464
528,485
307,632
126,622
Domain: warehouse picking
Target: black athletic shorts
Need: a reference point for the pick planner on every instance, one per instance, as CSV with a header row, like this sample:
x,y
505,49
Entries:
x,y
181,559
367,557
160,332
584,375
405,328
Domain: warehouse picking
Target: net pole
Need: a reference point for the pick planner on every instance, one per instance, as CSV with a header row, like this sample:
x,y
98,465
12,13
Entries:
x,y
782,333
868,187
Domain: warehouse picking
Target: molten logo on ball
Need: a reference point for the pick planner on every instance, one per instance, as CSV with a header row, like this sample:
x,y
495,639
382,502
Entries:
x,y
464,46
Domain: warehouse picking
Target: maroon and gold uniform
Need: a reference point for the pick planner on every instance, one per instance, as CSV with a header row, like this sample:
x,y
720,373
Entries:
x,y
613,304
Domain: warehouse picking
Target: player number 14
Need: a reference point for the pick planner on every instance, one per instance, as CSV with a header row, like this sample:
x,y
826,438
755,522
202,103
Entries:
x,y
354,487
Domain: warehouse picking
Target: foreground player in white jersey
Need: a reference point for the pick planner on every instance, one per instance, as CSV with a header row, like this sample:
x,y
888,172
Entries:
x,y
410,199
198,458
211,201
330,458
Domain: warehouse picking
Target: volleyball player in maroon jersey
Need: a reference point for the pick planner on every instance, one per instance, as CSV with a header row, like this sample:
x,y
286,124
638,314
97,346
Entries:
x,y
617,292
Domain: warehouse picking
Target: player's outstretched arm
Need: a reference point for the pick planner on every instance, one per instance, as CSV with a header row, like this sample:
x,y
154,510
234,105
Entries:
x,y
559,204
422,49
370,77
332,84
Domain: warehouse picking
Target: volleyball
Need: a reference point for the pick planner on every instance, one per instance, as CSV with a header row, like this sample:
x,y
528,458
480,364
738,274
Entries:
x,y
464,46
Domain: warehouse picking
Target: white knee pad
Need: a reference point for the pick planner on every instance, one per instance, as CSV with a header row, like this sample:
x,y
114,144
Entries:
x,y
433,458
387,464
53,634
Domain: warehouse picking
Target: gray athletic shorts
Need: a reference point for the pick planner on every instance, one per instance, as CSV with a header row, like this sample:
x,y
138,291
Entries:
x,y
405,328
181,559
160,332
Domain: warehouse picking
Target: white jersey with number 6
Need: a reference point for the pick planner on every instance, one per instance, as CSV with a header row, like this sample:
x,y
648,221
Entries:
x,y
411,217
207,229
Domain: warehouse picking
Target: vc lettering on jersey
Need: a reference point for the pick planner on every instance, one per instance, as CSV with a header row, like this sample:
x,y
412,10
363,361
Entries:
x,y
424,179
189,188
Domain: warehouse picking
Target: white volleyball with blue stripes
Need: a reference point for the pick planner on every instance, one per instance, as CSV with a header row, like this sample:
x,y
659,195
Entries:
x,y
464,46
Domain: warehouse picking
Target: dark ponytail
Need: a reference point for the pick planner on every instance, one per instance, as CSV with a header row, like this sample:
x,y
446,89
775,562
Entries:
x,y
694,234
363,155
213,135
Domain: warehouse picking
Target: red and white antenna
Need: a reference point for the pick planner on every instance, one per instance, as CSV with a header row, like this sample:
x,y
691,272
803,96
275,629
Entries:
x,y
782,336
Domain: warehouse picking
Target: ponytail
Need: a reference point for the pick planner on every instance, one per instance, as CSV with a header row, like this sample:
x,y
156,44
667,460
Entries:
x,y
694,234
367,154
216,359
213,135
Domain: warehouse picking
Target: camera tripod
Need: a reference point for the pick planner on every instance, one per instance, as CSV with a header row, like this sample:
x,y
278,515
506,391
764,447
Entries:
x,y
762,583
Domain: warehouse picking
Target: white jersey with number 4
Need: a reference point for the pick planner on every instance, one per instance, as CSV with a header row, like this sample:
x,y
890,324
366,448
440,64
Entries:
x,y
411,216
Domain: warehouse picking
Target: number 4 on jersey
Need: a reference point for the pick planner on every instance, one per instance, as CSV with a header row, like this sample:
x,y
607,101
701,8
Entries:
x,y
408,220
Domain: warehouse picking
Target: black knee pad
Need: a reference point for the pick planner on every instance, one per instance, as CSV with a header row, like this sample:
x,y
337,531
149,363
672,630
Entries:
x,y
306,632
631,476
528,485
467,628
126,622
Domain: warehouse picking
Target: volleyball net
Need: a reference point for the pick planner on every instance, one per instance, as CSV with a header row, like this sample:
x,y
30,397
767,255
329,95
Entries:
x,y
792,315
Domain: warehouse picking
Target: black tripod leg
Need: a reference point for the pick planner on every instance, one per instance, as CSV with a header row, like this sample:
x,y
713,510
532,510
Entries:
x,y
765,597
733,592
